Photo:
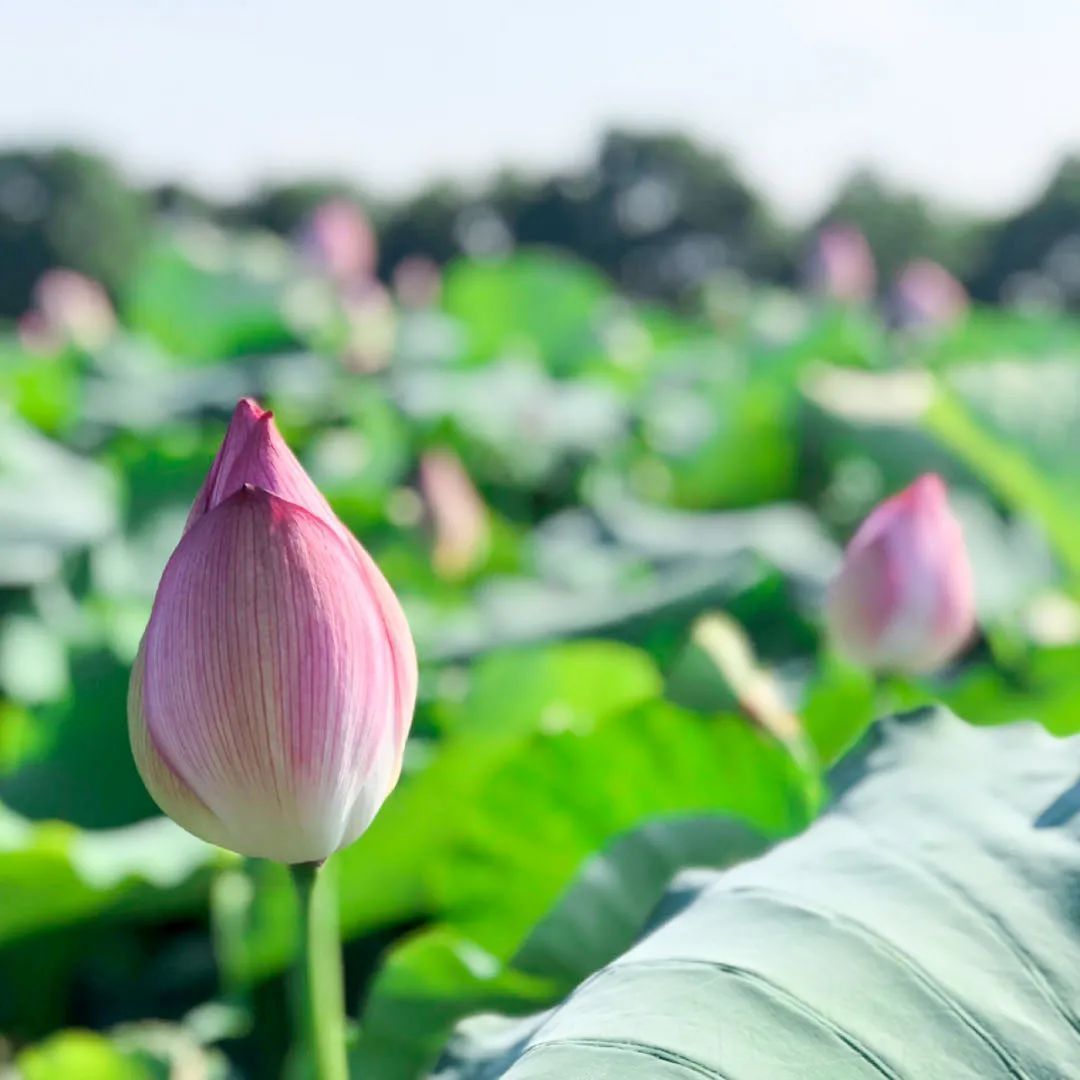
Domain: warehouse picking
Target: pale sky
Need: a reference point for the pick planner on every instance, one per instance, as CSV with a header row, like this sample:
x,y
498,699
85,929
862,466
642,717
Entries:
x,y
969,100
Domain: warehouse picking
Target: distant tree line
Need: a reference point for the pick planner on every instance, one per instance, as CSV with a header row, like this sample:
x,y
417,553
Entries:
x,y
657,212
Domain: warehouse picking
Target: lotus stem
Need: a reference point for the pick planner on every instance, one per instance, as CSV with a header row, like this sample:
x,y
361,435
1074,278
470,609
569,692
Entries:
x,y
320,997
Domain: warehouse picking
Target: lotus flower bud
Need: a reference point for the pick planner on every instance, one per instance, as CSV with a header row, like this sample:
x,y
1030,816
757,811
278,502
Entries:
x,y
69,308
274,686
926,296
459,518
903,600
841,265
339,241
370,326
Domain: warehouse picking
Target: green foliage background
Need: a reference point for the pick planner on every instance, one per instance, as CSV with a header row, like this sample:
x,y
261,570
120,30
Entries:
x,y
640,469
656,212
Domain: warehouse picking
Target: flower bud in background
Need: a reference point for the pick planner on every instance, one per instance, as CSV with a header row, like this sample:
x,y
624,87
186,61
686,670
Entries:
x,y
841,265
903,599
370,326
339,241
37,336
274,686
926,296
68,309
459,518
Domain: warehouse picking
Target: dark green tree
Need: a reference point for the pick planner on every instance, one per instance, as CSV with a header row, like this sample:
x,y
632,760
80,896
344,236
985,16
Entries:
x,y
1025,241
67,208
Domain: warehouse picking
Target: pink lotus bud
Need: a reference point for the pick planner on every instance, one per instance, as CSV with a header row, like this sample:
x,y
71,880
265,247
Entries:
x,y
71,307
459,518
339,241
274,687
903,600
926,295
37,336
841,265
370,326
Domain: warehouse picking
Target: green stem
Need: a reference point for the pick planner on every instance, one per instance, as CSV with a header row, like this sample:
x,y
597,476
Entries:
x,y
321,993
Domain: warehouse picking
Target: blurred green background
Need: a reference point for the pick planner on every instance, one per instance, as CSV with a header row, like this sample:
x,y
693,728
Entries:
x,y
606,430
567,481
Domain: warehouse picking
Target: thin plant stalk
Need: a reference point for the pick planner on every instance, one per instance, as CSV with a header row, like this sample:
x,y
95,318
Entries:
x,y
320,992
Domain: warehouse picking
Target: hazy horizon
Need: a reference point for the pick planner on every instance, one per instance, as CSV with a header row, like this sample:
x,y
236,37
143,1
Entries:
x,y
927,94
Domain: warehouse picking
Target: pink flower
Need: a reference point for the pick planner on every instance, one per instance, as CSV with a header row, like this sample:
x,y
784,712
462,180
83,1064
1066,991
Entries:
x,y
459,518
68,308
926,295
841,265
338,240
274,687
370,326
903,600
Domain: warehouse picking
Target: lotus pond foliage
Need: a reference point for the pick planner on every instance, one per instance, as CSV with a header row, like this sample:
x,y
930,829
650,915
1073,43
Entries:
x,y
612,527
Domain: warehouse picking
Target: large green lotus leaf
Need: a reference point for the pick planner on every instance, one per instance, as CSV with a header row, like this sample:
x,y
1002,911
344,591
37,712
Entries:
x,y
1040,684
786,535
557,859
513,422
427,983
44,390
528,832
536,303
205,296
521,611
1016,424
82,1054
432,979
152,1050
925,927
80,769
836,706
52,501
565,686
993,333
54,875
610,900
718,446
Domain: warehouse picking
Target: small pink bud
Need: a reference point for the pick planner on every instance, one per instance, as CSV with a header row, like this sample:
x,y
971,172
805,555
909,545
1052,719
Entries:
x,y
71,307
371,326
841,265
339,241
903,599
926,296
37,336
459,518
274,687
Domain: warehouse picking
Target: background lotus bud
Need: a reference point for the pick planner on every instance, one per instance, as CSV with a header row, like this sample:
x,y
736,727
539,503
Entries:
x,y
926,296
903,599
69,308
338,240
841,265
37,336
459,518
370,326
274,687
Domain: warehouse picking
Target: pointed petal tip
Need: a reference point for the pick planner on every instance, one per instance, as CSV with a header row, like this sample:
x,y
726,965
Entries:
x,y
928,486
247,408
